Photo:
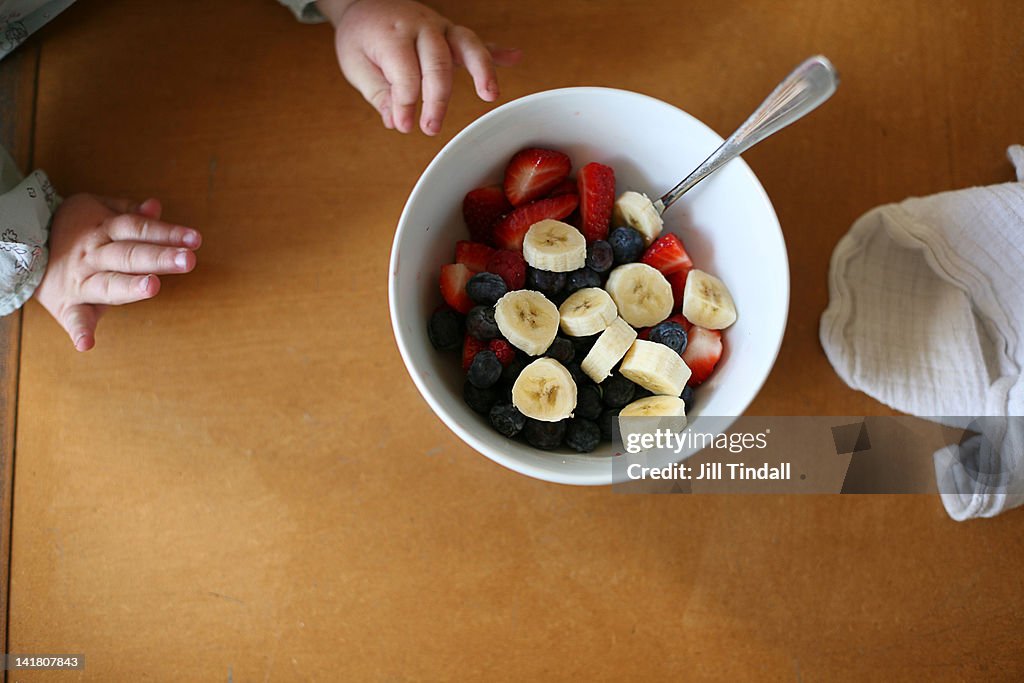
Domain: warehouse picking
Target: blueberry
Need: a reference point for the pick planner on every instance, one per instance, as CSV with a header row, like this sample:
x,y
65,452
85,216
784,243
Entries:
x,y
584,344
627,244
480,323
600,256
671,334
687,397
546,435
507,420
581,378
607,422
617,391
480,400
512,370
584,277
561,350
486,288
544,281
485,369
582,435
588,402
445,329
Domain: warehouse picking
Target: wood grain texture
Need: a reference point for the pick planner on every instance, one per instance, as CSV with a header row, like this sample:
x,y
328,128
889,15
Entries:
x,y
17,99
241,482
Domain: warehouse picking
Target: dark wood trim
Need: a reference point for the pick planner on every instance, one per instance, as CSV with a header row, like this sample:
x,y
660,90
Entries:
x,y
18,80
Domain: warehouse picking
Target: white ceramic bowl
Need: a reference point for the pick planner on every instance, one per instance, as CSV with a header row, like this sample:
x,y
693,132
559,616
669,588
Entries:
x,y
727,223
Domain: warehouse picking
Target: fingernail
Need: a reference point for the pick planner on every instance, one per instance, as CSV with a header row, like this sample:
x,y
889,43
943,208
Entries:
x,y
181,258
191,238
144,282
432,126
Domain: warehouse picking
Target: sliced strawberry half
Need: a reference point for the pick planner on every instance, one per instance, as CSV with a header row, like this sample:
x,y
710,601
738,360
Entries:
x,y
533,173
454,277
678,282
470,347
473,255
482,208
510,231
678,318
668,255
596,183
567,186
703,350
510,265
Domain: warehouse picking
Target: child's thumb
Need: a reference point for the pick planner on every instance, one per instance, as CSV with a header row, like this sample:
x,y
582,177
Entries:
x,y
79,321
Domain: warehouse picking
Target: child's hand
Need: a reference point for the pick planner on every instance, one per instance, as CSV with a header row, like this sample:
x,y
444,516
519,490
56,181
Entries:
x,y
107,251
387,48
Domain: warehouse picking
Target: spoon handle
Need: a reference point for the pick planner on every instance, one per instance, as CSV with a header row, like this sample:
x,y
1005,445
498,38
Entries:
x,y
809,85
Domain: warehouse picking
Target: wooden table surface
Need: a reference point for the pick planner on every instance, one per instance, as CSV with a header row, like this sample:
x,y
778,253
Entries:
x,y
241,482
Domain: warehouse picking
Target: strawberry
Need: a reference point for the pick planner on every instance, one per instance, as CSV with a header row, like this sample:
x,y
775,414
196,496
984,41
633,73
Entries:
x,y
482,208
643,333
470,347
703,349
503,350
510,266
668,255
567,186
473,255
508,234
596,183
678,282
454,277
532,173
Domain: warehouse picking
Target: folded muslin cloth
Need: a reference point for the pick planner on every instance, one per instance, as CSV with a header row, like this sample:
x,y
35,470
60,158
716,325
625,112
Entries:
x,y
927,316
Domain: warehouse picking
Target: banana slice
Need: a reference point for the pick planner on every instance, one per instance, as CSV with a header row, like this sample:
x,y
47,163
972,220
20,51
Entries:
x,y
707,301
637,211
655,367
642,294
545,391
656,406
609,348
587,311
528,320
555,246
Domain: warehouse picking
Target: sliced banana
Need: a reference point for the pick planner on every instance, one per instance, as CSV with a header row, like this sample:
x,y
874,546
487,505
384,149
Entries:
x,y
608,350
656,406
528,320
707,301
555,246
587,311
637,211
642,294
545,391
655,367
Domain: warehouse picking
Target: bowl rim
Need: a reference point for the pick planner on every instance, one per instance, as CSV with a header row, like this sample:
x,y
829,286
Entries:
x,y
468,437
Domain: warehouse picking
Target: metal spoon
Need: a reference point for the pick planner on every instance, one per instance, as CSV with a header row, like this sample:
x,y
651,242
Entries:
x,y
803,90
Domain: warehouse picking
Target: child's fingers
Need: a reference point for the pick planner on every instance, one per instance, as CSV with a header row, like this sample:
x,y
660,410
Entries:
x,y
436,65
150,208
505,56
137,228
119,288
401,68
141,258
471,53
368,79
79,321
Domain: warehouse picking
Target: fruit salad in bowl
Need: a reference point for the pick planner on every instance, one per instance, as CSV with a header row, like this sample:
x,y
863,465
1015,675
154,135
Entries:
x,y
552,297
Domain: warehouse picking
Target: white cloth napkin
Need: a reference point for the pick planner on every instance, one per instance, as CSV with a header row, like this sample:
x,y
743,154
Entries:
x,y
927,316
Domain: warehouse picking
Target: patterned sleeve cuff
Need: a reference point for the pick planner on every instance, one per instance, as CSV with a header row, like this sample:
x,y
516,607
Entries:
x,y
304,10
25,214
